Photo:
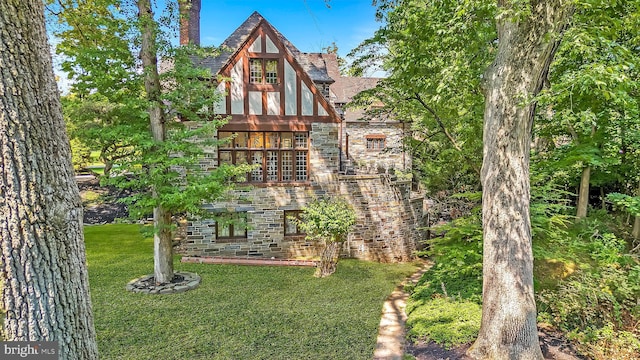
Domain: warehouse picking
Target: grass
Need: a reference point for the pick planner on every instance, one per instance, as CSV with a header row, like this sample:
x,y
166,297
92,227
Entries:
x,y
238,312
448,322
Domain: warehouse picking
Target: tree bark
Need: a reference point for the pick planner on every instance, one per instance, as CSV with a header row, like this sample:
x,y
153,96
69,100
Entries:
x,y
45,287
162,248
583,193
635,233
527,44
328,260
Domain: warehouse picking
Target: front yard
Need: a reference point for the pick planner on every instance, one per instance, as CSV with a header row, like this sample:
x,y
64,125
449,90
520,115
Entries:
x,y
238,312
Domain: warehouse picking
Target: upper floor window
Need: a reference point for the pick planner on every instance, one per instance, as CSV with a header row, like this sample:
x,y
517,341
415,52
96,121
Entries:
x,y
375,142
276,156
263,71
324,89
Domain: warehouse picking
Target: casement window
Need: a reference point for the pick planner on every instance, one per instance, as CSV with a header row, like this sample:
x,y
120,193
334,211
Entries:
x,y
291,218
263,71
231,226
375,142
277,156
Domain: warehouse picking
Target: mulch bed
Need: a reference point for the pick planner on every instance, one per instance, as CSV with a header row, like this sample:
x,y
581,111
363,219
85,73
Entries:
x,y
108,209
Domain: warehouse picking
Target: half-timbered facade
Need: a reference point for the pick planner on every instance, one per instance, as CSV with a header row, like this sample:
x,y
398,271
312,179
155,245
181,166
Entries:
x,y
286,117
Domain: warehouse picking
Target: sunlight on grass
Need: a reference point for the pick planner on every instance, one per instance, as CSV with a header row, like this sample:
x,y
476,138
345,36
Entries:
x,y
448,322
238,312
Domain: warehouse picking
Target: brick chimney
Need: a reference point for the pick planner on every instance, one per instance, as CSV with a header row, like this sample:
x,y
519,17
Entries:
x,y
189,21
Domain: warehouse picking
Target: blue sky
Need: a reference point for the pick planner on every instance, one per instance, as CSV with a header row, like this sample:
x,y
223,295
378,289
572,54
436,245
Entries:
x,y
309,24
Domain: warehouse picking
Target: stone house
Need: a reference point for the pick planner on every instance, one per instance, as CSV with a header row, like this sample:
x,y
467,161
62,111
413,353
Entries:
x,y
286,115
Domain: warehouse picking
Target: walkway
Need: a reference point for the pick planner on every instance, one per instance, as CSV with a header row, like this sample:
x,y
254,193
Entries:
x,y
391,334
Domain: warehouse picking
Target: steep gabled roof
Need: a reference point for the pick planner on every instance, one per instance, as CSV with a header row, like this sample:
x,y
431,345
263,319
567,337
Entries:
x,y
317,70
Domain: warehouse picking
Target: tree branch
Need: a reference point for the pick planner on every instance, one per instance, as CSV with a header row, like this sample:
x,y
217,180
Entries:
x,y
439,121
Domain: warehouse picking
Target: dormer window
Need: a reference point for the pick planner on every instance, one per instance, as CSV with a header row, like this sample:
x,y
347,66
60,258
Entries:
x,y
263,71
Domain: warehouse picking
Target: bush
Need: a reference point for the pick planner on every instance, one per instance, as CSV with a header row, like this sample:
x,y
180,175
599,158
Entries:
x,y
458,261
596,308
80,154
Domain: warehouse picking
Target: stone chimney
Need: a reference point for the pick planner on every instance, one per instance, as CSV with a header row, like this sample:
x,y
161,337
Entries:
x,y
189,21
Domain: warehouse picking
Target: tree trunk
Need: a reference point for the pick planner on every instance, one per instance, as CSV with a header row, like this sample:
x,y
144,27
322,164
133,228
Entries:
x,y
527,43
163,251
583,194
45,287
636,224
328,260
108,165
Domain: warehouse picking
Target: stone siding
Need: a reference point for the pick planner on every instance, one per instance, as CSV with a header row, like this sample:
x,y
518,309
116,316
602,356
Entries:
x,y
388,217
364,160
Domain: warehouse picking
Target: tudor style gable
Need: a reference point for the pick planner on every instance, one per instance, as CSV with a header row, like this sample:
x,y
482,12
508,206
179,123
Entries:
x,y
266,87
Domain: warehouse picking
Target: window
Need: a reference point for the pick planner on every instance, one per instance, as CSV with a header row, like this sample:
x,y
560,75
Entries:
x,y
231,226
263,71
375,142
255,71
291,218
324,89
276,156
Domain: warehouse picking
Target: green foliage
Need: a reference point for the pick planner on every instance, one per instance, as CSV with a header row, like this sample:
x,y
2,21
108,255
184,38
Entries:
x,y
435,54
80,154
255,312
589,114
457,271
108,108
626,202
607,343
591,300
596,301
327,219
447,322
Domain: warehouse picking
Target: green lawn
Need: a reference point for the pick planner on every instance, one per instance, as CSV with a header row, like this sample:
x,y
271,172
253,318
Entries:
x,y
238,312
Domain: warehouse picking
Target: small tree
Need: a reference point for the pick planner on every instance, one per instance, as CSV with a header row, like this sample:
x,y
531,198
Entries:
x,y
328,220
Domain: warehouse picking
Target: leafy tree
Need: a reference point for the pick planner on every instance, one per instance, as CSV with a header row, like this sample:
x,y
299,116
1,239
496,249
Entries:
x,y
590,121
158,158
45,287
435,53
328,220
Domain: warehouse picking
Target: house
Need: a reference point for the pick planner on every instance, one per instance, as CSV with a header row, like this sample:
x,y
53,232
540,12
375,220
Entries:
x,y
286,114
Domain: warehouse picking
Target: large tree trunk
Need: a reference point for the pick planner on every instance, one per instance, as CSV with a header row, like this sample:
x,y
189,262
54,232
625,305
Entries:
x,y
163,251
583,193
527,43
45,287
328,260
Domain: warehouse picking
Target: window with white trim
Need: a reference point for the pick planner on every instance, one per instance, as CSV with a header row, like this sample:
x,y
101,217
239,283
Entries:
x,y
263,71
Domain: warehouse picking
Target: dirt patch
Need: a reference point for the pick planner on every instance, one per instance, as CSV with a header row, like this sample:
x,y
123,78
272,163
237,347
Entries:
x,y
554,347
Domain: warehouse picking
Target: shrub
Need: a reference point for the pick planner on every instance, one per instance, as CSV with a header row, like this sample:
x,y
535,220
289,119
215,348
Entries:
x,y
458,261
80,154
600,309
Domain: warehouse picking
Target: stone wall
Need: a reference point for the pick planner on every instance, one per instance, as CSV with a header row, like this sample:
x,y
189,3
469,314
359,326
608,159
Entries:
x,y
388,217
368,161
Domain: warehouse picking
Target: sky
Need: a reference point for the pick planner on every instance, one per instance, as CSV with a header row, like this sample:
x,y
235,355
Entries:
x,y
309,24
